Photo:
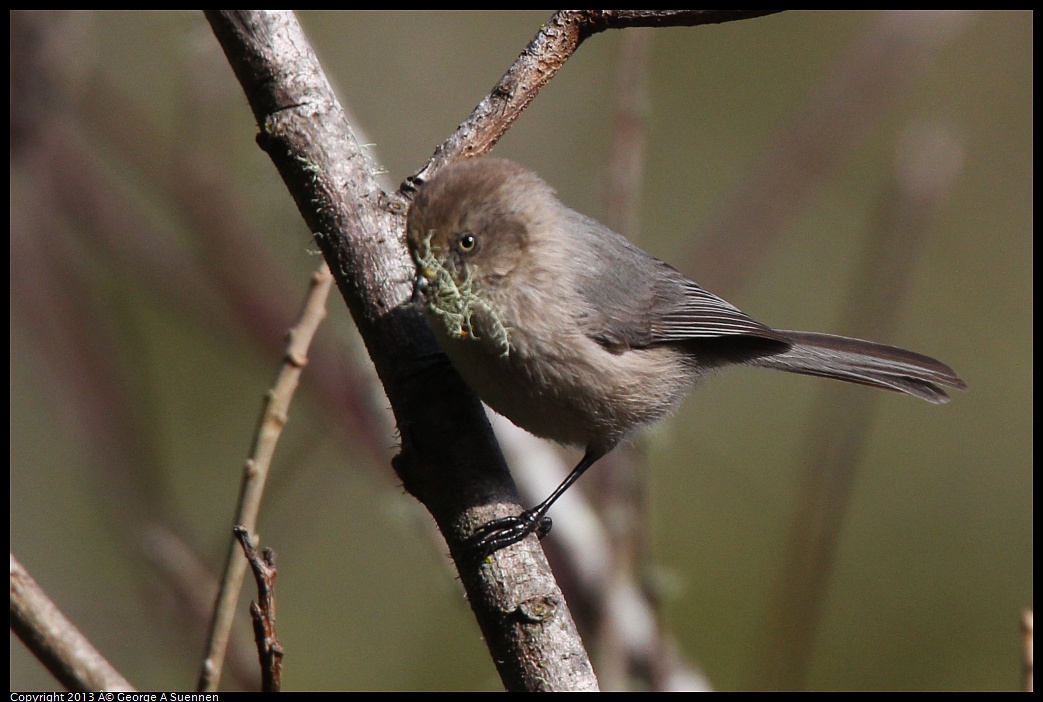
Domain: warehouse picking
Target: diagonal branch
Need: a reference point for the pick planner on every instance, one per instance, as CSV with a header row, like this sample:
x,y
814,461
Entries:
x,y
449,459
55,640
552,46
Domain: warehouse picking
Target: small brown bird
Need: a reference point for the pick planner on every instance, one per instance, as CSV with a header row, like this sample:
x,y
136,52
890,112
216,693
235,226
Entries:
x,y
576,335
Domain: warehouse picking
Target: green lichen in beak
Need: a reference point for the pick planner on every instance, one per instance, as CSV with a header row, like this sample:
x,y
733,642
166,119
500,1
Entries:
x,y
455,304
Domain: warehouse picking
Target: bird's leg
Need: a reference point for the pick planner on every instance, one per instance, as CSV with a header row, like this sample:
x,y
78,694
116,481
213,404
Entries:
x,y
498,533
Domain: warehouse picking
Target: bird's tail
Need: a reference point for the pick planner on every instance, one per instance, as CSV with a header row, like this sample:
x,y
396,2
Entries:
x,y
864,362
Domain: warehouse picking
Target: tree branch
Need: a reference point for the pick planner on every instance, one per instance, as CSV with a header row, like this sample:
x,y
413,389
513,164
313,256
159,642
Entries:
x,y
255,473
552,46
55,641
269,649
449,459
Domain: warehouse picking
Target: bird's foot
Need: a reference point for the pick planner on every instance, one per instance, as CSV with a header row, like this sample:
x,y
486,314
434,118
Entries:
x,y
500,533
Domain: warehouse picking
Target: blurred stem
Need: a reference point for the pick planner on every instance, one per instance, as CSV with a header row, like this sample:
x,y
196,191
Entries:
x,y
620,492
626,160
879,68
928,161
1026,647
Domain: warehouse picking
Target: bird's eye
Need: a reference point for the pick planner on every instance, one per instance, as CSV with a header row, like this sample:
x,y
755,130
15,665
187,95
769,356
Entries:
x,y
468,242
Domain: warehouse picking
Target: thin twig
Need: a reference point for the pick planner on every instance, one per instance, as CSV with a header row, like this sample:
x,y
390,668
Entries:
x,y
56,641
552,46
255,473
269,648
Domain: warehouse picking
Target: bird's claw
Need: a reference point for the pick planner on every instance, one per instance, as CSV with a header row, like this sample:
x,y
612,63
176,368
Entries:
x,y
500,533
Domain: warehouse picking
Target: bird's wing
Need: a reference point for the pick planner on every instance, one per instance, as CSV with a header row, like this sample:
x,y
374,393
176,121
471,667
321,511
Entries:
x,y
683,310
633,300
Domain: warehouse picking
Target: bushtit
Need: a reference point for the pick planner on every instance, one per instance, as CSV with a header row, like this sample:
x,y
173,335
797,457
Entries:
x,y
576,335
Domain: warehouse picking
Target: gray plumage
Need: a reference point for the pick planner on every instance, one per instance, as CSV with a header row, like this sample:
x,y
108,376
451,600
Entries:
x,y
576,335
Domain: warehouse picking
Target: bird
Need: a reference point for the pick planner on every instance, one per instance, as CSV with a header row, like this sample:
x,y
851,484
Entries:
x,y
576,335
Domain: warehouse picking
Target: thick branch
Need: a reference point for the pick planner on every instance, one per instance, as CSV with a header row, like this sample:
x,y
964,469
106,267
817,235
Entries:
x,y
449,459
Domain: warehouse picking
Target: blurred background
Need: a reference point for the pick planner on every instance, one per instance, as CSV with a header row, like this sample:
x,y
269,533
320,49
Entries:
x,y
812,167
